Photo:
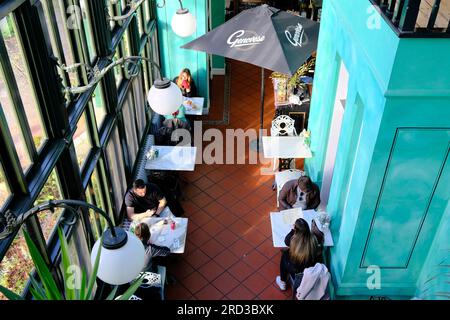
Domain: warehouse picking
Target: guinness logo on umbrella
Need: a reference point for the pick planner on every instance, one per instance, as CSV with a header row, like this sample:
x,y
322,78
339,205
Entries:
x,y
296,35
244,39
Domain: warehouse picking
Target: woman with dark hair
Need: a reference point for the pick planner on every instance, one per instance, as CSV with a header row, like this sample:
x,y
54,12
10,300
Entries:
x,y
301,193
304,252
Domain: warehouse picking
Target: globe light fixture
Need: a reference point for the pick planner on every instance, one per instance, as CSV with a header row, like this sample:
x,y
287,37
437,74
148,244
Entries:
x,y
183,23
122,255
164,97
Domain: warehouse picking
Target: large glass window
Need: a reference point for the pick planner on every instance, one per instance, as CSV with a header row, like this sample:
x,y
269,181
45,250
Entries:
x,y
21,73
130,127
154,54
118,72
5,192
50,191
95,197
98,102
140,21
126,44
139,104
14,126
104,181
59,22
82,141
111,13
116,168
94,218
16,266
88,30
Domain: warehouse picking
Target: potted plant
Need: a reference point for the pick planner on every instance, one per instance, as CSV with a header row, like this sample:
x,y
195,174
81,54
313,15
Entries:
x,y
285,87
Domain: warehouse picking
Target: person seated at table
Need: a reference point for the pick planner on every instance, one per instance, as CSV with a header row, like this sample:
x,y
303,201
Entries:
x,y
186,83
164,136
299,193
303,251
144,201
142,231
178,116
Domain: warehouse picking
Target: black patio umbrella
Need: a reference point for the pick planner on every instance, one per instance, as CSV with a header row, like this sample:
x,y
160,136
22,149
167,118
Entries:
x,y
264,36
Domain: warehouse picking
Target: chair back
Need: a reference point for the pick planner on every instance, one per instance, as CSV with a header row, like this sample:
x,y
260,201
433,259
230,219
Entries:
x,y
295,283
283,126
314,284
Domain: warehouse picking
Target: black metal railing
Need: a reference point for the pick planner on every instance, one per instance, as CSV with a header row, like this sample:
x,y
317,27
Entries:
x,y
409,19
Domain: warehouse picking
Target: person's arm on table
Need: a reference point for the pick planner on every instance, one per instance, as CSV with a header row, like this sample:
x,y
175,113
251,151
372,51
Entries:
x,y
161,206
138,216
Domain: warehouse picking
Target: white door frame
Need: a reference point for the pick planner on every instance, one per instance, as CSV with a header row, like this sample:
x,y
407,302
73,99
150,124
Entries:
x,y
335,130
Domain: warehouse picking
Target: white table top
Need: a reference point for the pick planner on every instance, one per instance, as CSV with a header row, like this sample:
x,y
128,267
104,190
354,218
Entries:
x,y
283,221
163,235
197,105
173,158
285,147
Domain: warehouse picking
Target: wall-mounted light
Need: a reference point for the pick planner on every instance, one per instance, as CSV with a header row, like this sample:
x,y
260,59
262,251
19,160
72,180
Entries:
x,y
183,22
164,96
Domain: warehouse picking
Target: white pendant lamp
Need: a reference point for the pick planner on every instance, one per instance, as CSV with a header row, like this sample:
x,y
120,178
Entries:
x,y
122,257
164,97
183,23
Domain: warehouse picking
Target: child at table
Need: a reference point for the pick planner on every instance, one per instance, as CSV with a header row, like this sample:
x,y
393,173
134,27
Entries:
x,y
142,231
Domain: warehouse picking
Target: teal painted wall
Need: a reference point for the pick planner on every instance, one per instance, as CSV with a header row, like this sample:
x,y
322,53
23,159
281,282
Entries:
x,y
390,192
217,18
173,58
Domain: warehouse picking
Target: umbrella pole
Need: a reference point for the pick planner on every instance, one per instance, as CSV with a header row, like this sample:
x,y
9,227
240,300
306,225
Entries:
x,y
262,109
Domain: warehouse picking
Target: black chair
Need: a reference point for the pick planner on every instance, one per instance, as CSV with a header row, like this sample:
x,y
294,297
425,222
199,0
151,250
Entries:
x,y
295,283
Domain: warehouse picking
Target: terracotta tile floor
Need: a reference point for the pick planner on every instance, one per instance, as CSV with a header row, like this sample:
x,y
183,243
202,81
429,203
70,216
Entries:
x,y
229,253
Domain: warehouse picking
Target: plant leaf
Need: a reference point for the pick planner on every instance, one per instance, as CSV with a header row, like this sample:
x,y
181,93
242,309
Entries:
x,y
36,294
132,289
82,293
38,288
9,294
51,289
65,257
112,295
94,273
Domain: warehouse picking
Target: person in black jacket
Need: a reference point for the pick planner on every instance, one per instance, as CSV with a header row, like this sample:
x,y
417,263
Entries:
x,y
304,252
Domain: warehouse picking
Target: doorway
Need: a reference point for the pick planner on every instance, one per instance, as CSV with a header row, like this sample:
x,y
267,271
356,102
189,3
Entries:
x,y
335,130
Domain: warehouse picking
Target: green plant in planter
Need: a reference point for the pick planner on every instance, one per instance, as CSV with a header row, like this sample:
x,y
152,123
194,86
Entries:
x,y
48,289
294,81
